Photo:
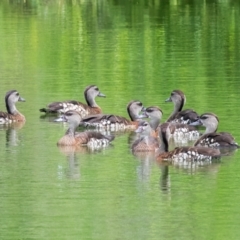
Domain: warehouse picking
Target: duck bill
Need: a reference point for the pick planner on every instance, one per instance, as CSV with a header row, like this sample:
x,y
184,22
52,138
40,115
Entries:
x,y
143,115
139,130
168,99
196,123
61,119
101,95
21,99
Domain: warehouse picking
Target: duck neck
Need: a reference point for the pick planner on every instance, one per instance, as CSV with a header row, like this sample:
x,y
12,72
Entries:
x,y
90,100
11,108
132,114
71,129
177,108
164,141
154,123
211,128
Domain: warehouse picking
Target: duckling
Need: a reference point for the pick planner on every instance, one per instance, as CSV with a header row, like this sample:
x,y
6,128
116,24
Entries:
x,y
211,138
178,115
12,114
72,138
114,122
184,155
148,141
90,93
178,131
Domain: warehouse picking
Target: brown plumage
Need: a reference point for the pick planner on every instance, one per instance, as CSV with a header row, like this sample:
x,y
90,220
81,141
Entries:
x,y
183,154
147,141
211,138
178,115
90,93
12,114
72,138
115,122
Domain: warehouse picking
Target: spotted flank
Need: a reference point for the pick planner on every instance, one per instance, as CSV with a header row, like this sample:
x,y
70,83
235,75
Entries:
x,y
94,143
67,106
209,142
184,133
108,125
181,120
190,156
183,155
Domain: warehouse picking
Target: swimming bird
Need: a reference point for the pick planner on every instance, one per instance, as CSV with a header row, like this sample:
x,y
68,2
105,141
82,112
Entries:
x,y
178,115
115,122
186,154
73,138
90,93
147,141
12,114
212,138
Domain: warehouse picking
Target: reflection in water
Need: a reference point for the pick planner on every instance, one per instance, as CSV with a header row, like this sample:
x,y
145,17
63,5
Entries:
x,y
164,179
12,138
146,161
70,152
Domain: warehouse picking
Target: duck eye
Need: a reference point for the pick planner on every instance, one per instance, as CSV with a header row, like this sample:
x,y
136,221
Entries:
x,y
204,117
149,110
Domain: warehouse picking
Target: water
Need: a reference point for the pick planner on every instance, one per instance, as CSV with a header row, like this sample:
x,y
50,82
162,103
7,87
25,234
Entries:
x,y
142,50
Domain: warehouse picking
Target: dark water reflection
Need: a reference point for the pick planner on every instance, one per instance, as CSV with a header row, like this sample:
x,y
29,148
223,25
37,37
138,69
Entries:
x,y
51,50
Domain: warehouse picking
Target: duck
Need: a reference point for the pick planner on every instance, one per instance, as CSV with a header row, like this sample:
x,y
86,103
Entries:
x,y
186,154
212,138
90,93
178,115
12,115
178,131
148,141
72,138
115,122
154,113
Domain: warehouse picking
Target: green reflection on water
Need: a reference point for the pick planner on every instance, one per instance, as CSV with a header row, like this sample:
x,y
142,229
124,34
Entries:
x,y
142,50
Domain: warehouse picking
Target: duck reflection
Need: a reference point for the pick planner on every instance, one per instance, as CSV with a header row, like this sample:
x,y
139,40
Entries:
x,y
70,152
164,182
12,135
146,160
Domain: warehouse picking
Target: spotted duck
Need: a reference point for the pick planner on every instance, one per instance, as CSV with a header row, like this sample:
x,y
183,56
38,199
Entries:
x,y
73,138
184,155
90,93
147,141
178,131
178,115
12,115
212,138
114,122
